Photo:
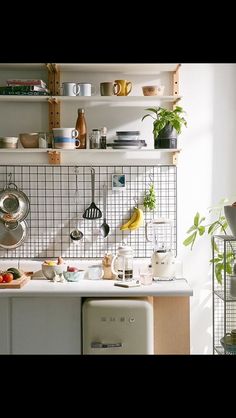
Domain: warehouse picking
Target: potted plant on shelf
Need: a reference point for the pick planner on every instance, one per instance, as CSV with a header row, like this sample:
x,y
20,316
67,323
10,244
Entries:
x,y
167,125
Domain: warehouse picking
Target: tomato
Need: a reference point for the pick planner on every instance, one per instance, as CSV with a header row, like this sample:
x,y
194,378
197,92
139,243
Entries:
x,y
1,278
7,277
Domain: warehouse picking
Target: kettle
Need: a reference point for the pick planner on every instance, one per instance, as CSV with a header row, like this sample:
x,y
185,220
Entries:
x,y
122,263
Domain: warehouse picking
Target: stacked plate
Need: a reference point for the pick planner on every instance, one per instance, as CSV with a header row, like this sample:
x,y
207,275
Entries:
x,y
128,140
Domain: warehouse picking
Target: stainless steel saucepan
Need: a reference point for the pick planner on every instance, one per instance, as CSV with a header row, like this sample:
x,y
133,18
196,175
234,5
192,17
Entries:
x,y
14,204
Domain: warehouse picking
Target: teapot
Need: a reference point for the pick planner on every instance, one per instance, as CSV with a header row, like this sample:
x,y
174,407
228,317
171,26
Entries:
x,y
122,263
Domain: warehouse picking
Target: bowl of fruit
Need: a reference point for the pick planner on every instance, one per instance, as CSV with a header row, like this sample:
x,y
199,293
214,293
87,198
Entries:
x,y
73,274
51,268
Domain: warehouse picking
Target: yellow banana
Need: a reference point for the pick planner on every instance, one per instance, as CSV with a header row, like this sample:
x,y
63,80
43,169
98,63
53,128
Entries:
x,y
138,221
130,221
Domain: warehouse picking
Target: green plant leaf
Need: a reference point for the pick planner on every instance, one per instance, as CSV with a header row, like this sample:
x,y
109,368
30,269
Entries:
x,y
213,227
190,239
201,230
196,219
153,109
145,116
228,268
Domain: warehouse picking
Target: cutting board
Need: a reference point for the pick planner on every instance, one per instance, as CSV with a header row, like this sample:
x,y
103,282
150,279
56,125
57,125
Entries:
x,y
18,283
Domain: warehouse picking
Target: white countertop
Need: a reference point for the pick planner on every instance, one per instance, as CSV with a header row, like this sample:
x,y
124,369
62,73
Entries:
x,y
97,288
87,288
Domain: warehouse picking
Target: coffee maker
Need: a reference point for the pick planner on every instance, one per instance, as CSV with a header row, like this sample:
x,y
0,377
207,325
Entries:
x,y
163,259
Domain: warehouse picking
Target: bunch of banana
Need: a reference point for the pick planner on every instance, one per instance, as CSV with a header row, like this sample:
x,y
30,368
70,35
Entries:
x,y
135,221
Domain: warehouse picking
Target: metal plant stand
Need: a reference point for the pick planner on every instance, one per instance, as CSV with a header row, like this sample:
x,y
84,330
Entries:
x,y
224,295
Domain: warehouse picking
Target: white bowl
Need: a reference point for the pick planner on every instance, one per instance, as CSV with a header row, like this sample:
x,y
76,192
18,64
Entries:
x,y
50,271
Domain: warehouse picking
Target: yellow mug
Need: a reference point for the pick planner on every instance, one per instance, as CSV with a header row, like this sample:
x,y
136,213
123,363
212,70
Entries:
x,y
122,87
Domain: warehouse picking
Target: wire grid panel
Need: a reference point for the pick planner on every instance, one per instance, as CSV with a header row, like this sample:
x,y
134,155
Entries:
x,y
224,313
53,214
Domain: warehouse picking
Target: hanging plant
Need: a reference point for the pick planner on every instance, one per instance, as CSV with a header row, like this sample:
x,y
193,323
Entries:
x,y
149,201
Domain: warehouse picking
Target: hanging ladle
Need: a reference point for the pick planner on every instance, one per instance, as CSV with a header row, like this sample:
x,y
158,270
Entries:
x,y
76,234
104,228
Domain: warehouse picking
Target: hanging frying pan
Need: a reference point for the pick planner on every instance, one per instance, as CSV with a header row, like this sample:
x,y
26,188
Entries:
x,y
14,204
13,234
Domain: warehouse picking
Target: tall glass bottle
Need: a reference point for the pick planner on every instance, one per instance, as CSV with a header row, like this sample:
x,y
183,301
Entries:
x,y
81,126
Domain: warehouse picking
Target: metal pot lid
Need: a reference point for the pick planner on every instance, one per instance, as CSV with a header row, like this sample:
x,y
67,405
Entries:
x,y
12,235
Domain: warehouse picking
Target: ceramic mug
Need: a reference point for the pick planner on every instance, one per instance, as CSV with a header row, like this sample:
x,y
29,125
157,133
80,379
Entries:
x,y
65,138
106,88
85,89
122,87
70,89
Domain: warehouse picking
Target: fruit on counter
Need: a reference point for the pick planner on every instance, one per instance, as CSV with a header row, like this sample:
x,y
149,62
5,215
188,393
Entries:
x,y
1,278
16,273
135,221
7,277
73,269
50,262
60,260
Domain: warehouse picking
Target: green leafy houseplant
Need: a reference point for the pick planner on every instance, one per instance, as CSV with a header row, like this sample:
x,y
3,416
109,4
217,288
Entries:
x,y
166,123
218,226
149,201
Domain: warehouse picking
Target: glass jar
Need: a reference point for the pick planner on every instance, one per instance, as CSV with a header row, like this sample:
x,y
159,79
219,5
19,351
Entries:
x,y
95,139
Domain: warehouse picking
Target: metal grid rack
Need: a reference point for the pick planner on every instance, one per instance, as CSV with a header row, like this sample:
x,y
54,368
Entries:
x,y
51,190
224,304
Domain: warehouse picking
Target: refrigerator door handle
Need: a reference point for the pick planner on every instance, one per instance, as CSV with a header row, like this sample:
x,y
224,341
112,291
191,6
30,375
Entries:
x,y
108,345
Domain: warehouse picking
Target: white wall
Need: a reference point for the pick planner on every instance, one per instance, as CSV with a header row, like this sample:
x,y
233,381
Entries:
x,y
206,173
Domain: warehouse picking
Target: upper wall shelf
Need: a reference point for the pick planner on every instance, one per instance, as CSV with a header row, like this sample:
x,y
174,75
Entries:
x,y
22,98
125,68
92,99
118,99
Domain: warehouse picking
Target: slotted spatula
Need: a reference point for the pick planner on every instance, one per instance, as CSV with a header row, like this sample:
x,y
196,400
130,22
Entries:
x,y
92,212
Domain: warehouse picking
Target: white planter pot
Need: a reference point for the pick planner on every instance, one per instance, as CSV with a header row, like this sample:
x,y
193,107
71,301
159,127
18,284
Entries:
x,y
230,214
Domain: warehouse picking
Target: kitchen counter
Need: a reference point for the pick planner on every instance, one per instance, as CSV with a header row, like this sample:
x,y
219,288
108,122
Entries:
x,y
98,288
56,308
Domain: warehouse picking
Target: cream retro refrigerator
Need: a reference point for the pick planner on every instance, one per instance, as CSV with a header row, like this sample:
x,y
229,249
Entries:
x,y
117,326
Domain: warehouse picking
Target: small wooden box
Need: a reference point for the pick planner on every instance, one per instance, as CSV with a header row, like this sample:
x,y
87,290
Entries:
x,y
54,157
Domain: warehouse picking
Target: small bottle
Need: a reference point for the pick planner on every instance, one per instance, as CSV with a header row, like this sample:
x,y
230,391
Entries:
x,y
81,126
103,138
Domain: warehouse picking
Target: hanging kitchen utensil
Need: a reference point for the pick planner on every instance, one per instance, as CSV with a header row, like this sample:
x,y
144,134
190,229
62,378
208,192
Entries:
x,y
13,234
76,234
104,228
14,204
92,212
